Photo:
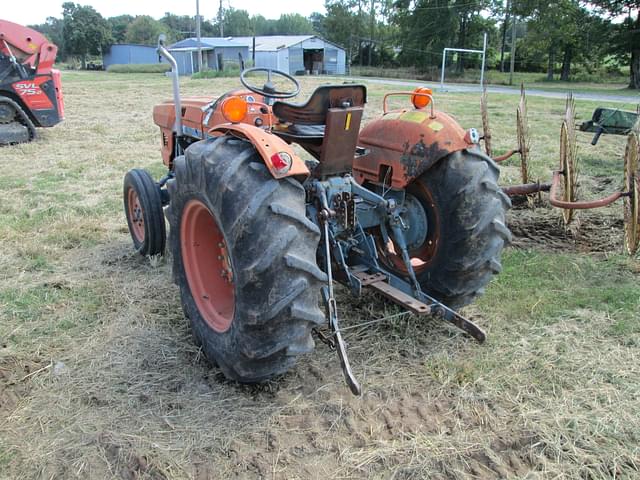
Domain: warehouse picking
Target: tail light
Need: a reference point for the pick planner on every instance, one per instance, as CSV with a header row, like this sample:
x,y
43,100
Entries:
x,y
281,161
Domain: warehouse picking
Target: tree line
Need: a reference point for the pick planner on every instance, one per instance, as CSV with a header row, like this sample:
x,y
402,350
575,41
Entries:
x,y
560,37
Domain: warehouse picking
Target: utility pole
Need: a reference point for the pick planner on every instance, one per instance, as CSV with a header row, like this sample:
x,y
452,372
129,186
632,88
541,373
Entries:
x,y
221,19
348,62
372,30
513,49
505,23
198,35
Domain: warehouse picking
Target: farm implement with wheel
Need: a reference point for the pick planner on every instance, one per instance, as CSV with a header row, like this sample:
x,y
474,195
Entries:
x,y
408,207
564,185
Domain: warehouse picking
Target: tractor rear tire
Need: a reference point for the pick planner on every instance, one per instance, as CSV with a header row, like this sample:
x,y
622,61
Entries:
x,y
143,209
253,302
465,211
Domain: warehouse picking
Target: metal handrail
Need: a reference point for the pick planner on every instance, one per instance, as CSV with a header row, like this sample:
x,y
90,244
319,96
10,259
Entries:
x,y
391,94
162,51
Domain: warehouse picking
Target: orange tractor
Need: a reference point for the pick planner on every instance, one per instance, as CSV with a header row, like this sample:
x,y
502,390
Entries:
x,y
408,207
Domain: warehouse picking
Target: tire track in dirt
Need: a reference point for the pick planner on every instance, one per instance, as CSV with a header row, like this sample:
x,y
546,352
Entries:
x,y
381,432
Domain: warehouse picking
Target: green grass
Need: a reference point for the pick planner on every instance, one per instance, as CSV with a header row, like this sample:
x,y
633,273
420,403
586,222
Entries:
x,y
534,285
139,68
228,72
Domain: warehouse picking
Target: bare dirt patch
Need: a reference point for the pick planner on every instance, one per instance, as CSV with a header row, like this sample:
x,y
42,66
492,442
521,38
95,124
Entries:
x,y
14,383
542,228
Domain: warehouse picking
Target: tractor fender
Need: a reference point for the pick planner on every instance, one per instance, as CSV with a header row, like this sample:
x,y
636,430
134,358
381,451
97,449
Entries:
x,y
268,145
402,145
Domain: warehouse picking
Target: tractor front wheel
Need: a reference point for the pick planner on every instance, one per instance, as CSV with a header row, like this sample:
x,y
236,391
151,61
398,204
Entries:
x,y
456,216
143,209
244,259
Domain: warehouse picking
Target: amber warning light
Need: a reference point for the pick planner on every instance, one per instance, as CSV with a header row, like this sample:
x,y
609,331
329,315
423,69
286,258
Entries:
x,y
421,101
234,109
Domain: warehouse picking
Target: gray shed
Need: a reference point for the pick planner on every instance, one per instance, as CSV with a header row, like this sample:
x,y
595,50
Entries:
x,y
296,54
216,52
127,53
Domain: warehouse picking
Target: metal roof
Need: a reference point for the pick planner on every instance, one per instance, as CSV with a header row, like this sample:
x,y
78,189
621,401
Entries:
x,y
205,42
133,45
265,43
272,43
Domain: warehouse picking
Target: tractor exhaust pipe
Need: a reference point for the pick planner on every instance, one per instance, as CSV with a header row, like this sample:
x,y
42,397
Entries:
x,y
163,52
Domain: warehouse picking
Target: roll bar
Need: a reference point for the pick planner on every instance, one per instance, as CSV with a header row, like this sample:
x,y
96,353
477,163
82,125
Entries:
x,y
163,52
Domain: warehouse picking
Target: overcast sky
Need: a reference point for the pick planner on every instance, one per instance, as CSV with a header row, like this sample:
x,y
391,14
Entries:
x,y
36,11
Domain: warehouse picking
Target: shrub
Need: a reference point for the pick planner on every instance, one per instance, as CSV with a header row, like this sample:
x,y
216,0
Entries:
x,y
139,68
230,70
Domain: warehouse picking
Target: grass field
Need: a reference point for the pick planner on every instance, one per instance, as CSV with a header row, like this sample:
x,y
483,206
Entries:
x,y
99,377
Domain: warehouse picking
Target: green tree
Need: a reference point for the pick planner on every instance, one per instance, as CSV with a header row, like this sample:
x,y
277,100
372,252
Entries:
x,y
119,27
52,28
262,26
560,32
469,19
145,30
85,32
343,24
237,23
293,24
425,29
317,22
550,26
626,40
181,26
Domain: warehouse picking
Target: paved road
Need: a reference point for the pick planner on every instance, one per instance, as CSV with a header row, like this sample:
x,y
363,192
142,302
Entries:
x,y
597,97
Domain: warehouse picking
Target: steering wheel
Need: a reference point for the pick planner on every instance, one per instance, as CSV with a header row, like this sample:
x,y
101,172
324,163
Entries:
x,y
269,89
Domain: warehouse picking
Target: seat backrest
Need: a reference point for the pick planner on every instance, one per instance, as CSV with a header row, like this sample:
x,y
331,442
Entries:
x,y
337,108
314,111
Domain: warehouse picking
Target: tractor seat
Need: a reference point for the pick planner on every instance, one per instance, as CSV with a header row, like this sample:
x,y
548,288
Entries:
x,y
306,122
314,111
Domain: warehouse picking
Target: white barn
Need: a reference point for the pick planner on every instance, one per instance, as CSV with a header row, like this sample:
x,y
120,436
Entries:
x,y
296,54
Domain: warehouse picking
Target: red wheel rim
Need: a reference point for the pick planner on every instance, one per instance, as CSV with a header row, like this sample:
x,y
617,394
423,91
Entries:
x,y
422,256
136,216
207,266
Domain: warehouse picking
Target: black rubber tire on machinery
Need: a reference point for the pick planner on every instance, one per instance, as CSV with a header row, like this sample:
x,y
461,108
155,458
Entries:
x,y
21,118
271,247
468,209
153,238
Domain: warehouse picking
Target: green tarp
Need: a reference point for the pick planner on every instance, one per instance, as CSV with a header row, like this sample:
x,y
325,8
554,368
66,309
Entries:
x,y
610,120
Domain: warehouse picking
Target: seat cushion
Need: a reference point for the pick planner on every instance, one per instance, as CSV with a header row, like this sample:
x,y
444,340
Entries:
x,y
311,131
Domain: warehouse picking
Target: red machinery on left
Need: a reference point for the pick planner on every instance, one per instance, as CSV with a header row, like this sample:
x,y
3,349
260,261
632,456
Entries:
x,y
30,89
